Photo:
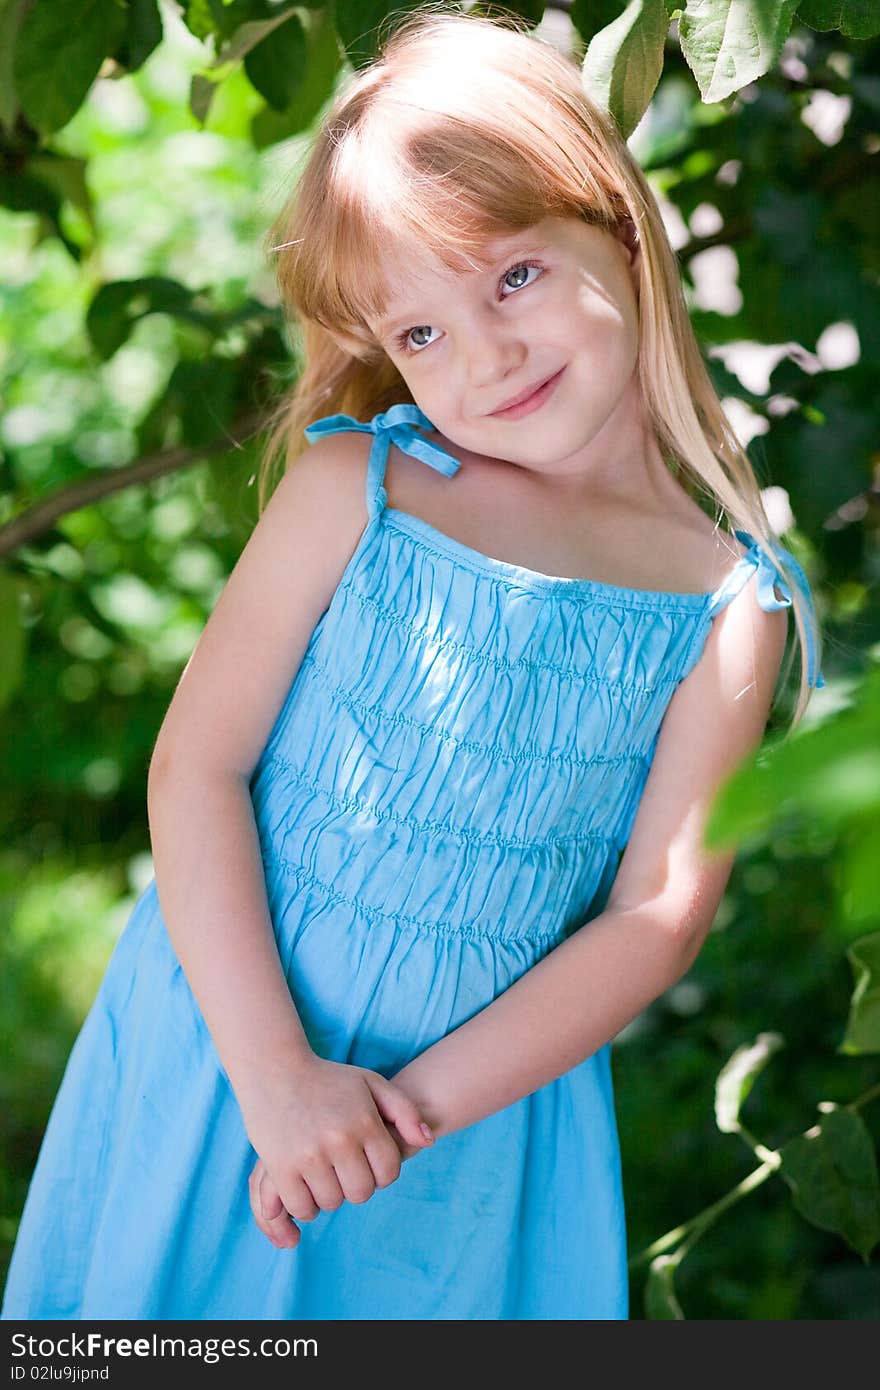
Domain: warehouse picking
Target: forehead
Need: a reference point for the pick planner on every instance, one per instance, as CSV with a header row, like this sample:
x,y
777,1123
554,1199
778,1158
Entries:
x,y
410,270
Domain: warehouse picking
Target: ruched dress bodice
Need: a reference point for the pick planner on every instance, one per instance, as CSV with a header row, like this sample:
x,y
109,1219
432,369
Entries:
x,y
491,728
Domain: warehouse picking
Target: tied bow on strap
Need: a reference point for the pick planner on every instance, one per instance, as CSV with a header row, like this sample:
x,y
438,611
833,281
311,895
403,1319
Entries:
x,y
395,426
768,577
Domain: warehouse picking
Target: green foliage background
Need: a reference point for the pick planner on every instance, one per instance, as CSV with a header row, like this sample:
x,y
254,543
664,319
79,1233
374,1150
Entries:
x,y
143,150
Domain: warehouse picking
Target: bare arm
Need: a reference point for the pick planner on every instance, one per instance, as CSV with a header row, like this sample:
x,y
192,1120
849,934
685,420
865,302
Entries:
x,y
206,854
212,892
662,904
319,1125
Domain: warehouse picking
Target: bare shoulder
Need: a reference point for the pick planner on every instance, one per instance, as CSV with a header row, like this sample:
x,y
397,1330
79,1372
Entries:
x,y
242,667
331,472
730,689
311,523
715,720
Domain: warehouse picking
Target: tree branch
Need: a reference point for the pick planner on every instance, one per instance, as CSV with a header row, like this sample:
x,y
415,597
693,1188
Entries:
x,y
39,518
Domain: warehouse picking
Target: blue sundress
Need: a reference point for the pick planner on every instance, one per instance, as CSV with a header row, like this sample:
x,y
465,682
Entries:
x,y
444,797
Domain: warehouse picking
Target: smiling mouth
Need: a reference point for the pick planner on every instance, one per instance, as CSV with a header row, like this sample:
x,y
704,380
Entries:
x,y
532,399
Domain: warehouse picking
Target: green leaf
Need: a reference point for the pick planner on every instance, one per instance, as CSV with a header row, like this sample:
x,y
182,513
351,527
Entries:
x,y
623,62
856,19
198,18
23,193
67,174
247,37
277,65
660,1297
738,1075
828,775
12,637
314,85
589,16
856,873
832,1173
11,15
729,43
142,35
205,394
863,1026
118,306
361,27
532,10
58,55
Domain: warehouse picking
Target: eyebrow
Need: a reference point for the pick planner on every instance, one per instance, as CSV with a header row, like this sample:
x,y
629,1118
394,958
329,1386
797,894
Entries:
x,y
400,318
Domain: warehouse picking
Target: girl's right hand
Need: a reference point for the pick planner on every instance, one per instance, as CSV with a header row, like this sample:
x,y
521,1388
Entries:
x,y
329,1143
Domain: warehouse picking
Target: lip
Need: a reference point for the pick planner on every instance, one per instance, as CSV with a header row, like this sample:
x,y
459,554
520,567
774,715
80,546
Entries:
x,y
529,400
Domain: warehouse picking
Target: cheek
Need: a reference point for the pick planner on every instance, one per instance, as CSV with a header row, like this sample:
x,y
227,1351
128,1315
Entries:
x,y
601,370
596,313
609,323
602,330
431,392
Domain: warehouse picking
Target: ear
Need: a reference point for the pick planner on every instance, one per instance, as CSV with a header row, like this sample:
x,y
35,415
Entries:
x,y
627,233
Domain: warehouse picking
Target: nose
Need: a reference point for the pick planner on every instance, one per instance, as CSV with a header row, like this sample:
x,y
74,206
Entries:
x,y
493,349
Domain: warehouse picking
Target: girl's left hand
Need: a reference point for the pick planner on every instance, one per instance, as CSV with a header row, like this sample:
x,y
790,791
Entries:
x,y
269,1211
406,1150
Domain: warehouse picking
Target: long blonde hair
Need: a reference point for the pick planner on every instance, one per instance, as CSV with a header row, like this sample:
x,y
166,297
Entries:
x,y
465,128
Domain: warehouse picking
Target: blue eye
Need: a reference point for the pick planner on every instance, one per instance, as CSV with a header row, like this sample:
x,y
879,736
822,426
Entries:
x,y
527,265
406,346
402,341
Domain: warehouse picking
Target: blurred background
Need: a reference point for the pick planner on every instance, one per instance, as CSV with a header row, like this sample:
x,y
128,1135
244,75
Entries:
x,y
144,147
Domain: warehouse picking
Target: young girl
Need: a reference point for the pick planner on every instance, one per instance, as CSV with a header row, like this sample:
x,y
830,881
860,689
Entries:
x,y
427,805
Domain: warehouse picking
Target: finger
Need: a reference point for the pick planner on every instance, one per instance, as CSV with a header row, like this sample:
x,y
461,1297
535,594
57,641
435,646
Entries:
x,y
324,1187
274,1212
271,1204
298,1200
383,1155
393,1104
404,1150
280,1231
409,1150
355,1177
283,1232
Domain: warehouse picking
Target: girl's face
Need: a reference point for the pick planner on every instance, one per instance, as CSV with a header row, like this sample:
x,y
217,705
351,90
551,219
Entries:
x,y
560,302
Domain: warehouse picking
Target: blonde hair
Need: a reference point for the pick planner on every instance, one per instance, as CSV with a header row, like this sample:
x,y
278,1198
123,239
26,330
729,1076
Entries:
x,y
469,128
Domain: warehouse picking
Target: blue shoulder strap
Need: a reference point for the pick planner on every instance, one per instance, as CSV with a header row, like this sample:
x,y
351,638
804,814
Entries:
x,y
757,558
394,426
